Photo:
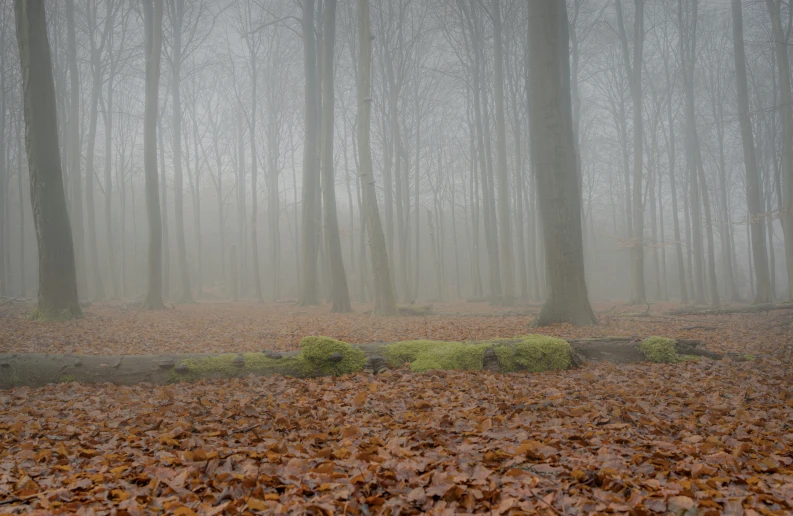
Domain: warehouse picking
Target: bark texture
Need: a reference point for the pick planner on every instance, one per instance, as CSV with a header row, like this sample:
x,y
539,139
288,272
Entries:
x,y
57,274
558,187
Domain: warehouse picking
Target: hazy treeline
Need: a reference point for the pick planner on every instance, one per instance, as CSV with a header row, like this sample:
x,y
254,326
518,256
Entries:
x,y
655,116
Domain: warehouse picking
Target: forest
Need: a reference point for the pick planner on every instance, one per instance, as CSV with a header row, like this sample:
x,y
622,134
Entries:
x,y
396,256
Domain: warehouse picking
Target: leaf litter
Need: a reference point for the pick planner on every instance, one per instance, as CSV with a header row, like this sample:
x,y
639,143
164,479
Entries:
x,y
698,437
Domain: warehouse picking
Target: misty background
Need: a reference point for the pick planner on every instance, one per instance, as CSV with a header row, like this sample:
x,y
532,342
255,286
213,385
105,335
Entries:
x,y
233,74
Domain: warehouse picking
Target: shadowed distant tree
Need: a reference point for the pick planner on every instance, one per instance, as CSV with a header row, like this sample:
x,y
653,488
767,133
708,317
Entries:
x,y
309,294
57,274
339,293
152,17
558,188
753,202
384,297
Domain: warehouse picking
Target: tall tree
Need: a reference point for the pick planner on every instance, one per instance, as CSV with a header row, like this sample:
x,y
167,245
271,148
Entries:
x,y
339,293
57,274
753,202
555,167
309,292
152,19
384,298
73,135
781,38
502,179
633,69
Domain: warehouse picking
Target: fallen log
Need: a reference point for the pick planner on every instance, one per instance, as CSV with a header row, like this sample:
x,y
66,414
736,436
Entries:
x,y
739,309
323,356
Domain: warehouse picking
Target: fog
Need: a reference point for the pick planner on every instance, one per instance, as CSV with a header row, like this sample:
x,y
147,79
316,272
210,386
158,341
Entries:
x,y
261,187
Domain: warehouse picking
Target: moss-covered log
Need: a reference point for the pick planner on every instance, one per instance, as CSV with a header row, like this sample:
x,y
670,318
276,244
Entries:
x,y
321,356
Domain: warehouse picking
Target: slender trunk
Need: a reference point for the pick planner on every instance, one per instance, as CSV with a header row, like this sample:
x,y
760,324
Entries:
x,y
385,300
758,253
185,293
502,179
309,294
166,255
786,112
339,293
93,256
153,46
73,135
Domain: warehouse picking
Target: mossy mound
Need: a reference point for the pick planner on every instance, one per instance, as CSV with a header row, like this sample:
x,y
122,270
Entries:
x,y
317,351
534,353
659,350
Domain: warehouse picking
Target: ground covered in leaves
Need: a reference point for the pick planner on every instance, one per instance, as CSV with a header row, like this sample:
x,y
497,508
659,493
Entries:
x,y
705,436
111,329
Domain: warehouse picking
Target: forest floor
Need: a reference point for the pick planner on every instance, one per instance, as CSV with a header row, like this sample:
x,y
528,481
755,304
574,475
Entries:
x,y
706,436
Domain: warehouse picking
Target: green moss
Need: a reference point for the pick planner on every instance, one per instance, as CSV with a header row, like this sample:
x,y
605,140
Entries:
x,y
451,356
659,349
400,353
533,353
529,353
318,350
67,378
222,366
749,358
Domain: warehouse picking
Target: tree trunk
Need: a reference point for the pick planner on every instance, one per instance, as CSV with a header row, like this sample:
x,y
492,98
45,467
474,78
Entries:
x,y
634,72
185,293
385,301
786,112
108,121
309,294
687,55
254,189
555,165
166,241
20,188
93,256
339,294
152,11
753,202
57,274
502,179
75,172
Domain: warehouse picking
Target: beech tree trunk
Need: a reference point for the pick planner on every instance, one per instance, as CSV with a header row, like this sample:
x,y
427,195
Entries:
x,y
384,298
502,179
558,187
152,11
177,16
339,294
73,135
309,292
634,72
786,112
57,274
753,202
